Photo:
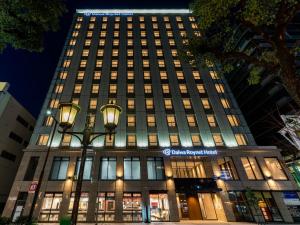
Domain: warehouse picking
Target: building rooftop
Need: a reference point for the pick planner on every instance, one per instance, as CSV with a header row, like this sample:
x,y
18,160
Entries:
x,y
131,11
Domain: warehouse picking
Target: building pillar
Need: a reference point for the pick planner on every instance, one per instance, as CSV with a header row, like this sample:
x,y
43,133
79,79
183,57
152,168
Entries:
x,y
119,191
174,215
286,216
92,204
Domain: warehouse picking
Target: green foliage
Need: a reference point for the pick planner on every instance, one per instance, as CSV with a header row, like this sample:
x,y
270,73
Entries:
x,y
255,75
23,23
5,220
65,220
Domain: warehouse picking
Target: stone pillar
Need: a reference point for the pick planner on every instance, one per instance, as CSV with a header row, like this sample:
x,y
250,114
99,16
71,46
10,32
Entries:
x,y
227,206
174,215
119,191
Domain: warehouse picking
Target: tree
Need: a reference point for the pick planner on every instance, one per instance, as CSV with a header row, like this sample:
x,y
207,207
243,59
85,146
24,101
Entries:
x,y
222,21
24,22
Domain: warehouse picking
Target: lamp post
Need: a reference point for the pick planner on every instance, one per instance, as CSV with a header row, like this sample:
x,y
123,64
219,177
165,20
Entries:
x,y
68,113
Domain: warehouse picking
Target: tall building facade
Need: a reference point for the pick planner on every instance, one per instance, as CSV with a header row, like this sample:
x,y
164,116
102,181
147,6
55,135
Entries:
x,y
16,127
182,149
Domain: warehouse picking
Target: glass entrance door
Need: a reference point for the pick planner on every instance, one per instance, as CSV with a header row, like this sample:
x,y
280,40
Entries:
x,y
207,206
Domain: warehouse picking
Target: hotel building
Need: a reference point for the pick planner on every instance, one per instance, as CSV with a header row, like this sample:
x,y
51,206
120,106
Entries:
x,y
182,149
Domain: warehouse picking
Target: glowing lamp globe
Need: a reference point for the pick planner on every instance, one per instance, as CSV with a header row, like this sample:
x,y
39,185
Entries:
x,y
111,114
68,113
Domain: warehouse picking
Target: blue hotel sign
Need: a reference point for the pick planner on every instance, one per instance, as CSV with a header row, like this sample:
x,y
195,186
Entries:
x,y
189,152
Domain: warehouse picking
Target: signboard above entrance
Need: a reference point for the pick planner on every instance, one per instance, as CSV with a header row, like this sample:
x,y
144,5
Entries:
x,y
189,152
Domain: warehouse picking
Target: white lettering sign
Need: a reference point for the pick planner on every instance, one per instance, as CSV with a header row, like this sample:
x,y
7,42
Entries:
x,y
188,152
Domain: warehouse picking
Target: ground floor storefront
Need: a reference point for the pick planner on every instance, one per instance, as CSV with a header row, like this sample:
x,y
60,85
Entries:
x,y
140,186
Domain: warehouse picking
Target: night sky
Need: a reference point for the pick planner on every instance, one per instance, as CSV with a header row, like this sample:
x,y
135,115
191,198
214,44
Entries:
x,y
29,74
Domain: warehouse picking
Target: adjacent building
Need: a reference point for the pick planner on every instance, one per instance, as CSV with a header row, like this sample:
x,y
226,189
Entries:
x,y
16,127
182,149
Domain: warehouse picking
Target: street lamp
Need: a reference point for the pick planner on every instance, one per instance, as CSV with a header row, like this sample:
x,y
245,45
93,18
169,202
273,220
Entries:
x,y
67,116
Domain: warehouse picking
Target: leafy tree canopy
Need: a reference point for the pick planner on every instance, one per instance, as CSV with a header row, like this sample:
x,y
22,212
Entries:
x,y
24,22
226,25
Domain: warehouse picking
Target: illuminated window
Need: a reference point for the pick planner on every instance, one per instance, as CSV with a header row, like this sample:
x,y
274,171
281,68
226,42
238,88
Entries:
x,y
178,18
196,75
187,103
143,33
191,120
83,63
104,18
171,120
43,139
156,33
251,168
169,33
85,52
67,63
219,88
102,33
77,26
211,120
59,88
149,103
98,63
93,19
218,139
79,18
145,52
130,63
116,33
130,75
233,120
70,52
152,139
155,26
213,75
130,88
142,19
95,88
80,75
114,63
171,42
197,33
174,52
113,75
97,75
163,75
129,33
196,140
129,52
72,42
225,103
117,19
159,52
166,18
112,88
75,101
89,34
153,18
129,19
157,42
48,121
87,42
201,88
191,18
179,75
183,88
145,63
130,103
174,139
63,75
194,26
117,26
161,63
93,103
104,26
131,121
77,88
144,42
91,26
275,168
101,42
115,52
54,103
168,25
147,75
168,104
66,140
130,42
116,42
183,34
151,121
240,139
131,140
205,103
142,26
148,88
109,140
165,89
100,52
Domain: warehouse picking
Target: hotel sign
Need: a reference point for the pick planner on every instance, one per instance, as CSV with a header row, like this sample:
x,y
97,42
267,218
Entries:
x,y
189,152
